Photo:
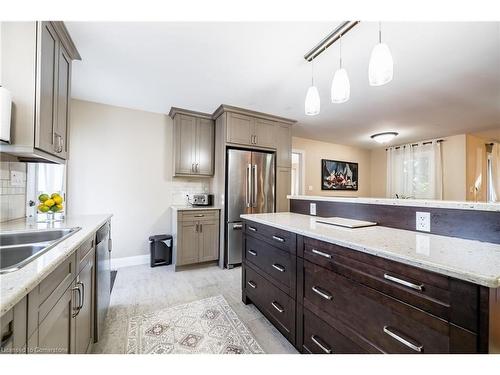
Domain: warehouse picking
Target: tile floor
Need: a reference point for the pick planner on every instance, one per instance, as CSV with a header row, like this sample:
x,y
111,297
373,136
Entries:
x,y
141,289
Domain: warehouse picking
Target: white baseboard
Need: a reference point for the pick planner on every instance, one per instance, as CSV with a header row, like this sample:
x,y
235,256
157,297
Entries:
x,y
129,261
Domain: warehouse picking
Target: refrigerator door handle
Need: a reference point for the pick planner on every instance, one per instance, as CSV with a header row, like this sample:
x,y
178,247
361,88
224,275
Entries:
x,y
255,185
248,186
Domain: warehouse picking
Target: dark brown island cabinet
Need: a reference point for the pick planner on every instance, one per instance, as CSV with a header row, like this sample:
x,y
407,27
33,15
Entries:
x,y
330,299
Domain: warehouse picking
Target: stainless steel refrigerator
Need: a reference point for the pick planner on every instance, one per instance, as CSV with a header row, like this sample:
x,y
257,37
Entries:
x,y
250,188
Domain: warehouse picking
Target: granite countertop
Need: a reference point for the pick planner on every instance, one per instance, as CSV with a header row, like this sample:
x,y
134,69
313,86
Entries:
x,y
193,208
477,206
17,284
474,261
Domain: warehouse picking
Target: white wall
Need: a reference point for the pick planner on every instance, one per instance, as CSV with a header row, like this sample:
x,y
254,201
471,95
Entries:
x,y
120,162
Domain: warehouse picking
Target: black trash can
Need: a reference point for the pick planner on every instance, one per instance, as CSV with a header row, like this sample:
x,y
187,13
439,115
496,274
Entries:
x,y
161,249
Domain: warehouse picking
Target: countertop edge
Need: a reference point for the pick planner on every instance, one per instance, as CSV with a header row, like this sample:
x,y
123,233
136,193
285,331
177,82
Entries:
x,y
24,291
479,280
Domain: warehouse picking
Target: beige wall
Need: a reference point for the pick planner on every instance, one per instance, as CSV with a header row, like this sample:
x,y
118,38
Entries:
x,y
378,176
121,163
317,150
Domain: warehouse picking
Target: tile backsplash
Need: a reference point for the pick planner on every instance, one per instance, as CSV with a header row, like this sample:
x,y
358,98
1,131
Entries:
x,y
12,190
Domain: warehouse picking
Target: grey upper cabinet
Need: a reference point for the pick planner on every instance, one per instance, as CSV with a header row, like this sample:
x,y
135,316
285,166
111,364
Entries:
x,y
283,188
250,131
194,143
36,69
265,133
283,145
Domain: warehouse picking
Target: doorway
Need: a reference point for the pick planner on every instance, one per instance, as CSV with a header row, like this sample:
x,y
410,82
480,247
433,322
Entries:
x,y
298,172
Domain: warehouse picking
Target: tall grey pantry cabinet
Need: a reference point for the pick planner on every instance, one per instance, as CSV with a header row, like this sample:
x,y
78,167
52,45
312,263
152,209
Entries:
x,y
193,143
36,69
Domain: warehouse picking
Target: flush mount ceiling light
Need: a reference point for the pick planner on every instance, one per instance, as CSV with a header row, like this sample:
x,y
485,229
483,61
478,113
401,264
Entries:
x,y
381,67
312,103
384,137
341,88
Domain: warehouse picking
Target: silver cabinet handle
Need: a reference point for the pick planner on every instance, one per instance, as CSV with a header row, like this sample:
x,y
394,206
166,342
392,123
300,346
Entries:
x,y
196,167
201,228
7,337
320,253
192,167
279,239
404,282
76,309
255,186
405,342
79,283
252,284
237,226
251,252
315,339
277,306
199,215
256,139
57,145
322,293
252,229
248,188
197,227
279,267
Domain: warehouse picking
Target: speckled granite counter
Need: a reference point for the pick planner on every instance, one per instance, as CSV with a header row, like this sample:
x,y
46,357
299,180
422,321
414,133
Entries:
x,y
15,285
474,261
193,208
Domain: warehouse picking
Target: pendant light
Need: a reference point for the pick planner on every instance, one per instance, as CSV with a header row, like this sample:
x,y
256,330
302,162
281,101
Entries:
x,y
341,88
312,104
380,69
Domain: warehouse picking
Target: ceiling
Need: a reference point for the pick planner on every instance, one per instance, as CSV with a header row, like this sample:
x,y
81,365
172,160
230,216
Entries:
x,y
446,75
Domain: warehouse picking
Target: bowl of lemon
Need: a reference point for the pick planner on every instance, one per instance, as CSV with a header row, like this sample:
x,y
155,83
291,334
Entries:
x,y
50,204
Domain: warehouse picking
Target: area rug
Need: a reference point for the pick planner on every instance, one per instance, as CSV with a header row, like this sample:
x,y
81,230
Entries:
x,y
207,326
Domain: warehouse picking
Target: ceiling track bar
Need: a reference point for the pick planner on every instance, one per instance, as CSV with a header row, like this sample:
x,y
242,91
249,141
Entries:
x,y
330,39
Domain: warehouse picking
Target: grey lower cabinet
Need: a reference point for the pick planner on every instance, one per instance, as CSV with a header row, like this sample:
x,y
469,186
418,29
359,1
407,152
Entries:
x,y
60,309
36,69
197,237
194,143
283,188
13,329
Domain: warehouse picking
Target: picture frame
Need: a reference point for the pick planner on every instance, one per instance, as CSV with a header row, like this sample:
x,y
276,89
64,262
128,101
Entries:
x,y
339,175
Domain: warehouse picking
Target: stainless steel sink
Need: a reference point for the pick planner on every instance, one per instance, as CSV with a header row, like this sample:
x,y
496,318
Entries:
x,y
19,248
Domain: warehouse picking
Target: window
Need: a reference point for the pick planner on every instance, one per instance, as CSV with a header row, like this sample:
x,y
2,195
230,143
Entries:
x,y
44,178
415,171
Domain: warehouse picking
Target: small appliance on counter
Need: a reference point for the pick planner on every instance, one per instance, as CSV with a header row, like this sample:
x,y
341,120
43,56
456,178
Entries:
x,y
201,199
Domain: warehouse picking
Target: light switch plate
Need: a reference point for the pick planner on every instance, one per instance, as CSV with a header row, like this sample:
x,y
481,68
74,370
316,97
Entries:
x,y
312,209
310,187
423,221
16,178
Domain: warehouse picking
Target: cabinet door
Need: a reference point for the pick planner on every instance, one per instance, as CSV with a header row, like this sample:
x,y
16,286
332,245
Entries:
x,y
240,129
63,98
283,188
205,151
83,321
56,331
283,145
187,243
184,144
209,240
265,135
47,88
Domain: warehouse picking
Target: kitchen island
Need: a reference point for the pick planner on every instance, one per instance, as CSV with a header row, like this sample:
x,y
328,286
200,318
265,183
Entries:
x,y
371,290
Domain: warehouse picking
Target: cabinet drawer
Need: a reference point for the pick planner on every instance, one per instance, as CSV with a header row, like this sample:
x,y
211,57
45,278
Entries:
x,y
391,325
426,290
320,338
276,305
199,215
82,252
279,265
277,237
58,281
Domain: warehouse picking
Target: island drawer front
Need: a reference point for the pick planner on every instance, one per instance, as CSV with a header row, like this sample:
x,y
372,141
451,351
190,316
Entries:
x,y
276,237
448,298
279,265
391,325
321,338
82,252
276,305
198,215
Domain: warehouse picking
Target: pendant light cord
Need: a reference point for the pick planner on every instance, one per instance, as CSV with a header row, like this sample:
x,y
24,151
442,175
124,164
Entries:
x,y
312,72
340,50
379,32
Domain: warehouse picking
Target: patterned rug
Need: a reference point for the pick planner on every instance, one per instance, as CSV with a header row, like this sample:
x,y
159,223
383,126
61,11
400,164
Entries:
x,y
207,326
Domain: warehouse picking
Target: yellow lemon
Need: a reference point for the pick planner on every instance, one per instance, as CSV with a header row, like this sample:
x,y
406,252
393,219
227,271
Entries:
x,y
43,208
54,195
58,199
49,202
43,197
59,207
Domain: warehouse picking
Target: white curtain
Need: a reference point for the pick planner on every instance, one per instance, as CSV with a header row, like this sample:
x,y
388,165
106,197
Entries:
x,y
50,178
415,171
494,174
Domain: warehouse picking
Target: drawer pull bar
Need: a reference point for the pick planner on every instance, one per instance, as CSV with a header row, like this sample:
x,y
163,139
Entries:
x,y
277,306
322,293
279,239
251,252
315,339
417,348
252,284
252,229
7,337
199,215
279,267
404,282
321,253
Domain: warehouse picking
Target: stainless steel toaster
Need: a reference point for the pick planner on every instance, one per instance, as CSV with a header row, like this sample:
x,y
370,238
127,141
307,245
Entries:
x,y
202,199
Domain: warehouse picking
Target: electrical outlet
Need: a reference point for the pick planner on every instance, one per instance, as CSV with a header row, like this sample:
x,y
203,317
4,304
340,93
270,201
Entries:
x,y
310,187
423,221
16,178
312,209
